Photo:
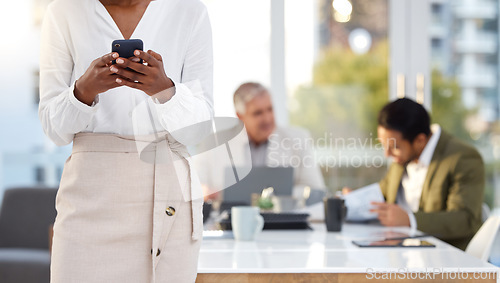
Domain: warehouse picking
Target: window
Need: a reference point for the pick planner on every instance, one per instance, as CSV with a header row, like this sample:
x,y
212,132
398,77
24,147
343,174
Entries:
x,y
436,44
39,175
36,87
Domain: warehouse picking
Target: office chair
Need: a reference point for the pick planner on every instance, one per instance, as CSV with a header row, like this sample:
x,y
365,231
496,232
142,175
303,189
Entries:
x,y
481,244
25,217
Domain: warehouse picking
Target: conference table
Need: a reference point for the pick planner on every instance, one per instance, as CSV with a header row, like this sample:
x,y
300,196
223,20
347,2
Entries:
x,y
317,255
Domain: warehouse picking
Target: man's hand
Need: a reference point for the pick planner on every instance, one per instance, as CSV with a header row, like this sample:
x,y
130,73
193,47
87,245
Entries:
x,y
346,190
390,214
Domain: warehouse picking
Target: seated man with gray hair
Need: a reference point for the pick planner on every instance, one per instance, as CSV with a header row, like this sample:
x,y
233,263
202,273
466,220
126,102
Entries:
x,y
270,145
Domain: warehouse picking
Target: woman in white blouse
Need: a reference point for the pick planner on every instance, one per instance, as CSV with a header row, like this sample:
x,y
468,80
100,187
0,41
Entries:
x,y
128,205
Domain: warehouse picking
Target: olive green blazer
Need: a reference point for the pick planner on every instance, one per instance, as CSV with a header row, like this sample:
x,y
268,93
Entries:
x,y
452,196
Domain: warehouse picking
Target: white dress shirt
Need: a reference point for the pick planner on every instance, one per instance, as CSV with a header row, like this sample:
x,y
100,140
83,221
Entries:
x,y
259,153
413,179
74,33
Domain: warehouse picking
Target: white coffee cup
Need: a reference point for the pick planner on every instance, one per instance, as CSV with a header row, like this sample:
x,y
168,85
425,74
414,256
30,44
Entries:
x,y
246,222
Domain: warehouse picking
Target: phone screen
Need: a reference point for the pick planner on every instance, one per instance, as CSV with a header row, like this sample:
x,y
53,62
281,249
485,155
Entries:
x,y
126,47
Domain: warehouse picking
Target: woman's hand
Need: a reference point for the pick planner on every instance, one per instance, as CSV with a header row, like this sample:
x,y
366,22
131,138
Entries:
x,y
97,79
150,78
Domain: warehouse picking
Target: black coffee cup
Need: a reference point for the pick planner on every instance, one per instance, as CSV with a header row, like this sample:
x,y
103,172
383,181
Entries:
x,y
335,212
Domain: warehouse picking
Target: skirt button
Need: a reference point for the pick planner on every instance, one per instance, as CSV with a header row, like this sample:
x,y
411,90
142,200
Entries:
x,y
170,211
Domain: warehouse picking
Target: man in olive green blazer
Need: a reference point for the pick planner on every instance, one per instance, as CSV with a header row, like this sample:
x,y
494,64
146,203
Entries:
x,y
449,192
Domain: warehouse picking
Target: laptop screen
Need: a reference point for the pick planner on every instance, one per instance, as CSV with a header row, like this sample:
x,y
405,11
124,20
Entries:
x,y
259,178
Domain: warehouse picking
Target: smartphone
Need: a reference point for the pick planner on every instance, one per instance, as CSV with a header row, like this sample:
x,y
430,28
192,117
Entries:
x,y
126,47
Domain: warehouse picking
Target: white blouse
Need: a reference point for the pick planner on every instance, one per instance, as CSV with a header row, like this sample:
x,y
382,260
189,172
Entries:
x,y
75,32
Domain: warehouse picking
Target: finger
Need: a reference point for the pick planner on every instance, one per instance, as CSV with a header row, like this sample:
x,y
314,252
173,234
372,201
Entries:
x,y
382,212
148,58
392,207
106,75
106,59
130,75
112,84
395,206
138,67
109,82
124,82
155,55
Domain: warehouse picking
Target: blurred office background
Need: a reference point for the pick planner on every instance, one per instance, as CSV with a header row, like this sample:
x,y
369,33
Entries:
x,y
330,65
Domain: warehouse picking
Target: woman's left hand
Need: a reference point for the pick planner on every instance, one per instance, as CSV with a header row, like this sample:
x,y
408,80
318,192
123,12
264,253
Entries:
x,y
150,78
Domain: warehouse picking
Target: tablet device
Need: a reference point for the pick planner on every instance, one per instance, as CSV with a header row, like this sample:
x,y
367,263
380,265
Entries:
x,y
395,243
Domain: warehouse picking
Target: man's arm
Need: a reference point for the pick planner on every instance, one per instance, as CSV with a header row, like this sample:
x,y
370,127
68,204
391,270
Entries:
x,y
462,216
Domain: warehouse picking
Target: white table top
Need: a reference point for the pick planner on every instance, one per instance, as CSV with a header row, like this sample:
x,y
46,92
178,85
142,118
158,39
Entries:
x,y
319,251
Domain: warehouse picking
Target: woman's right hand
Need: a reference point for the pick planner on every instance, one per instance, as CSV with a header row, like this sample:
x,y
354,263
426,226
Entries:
x,y
97,79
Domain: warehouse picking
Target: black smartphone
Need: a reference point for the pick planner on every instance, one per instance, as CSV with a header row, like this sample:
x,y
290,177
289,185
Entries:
x,y
126,47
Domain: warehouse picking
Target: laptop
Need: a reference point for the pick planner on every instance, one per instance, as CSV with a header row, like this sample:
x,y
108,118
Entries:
x,y
259,178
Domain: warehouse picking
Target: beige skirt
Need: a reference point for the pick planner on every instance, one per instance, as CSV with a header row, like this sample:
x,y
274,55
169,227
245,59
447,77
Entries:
x,y
125,212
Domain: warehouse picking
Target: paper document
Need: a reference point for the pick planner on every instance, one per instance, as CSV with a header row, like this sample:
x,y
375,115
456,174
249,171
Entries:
x,y
358,202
